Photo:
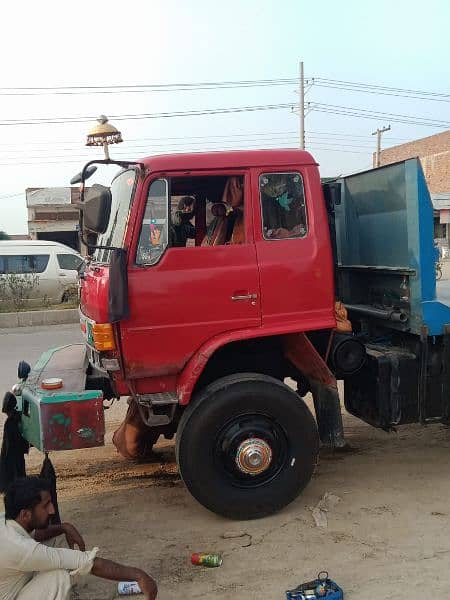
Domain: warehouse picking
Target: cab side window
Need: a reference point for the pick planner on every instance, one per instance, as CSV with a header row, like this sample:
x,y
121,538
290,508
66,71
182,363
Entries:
x,y
208,210
154,235
184,212
282,205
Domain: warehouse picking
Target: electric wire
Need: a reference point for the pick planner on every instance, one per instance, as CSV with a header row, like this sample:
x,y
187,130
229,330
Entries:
x,y
162,115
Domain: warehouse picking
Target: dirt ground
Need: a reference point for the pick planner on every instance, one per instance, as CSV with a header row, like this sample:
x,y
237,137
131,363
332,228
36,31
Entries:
x,y
386,537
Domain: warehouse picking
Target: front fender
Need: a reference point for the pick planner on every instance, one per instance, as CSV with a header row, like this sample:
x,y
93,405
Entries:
x,y
190,374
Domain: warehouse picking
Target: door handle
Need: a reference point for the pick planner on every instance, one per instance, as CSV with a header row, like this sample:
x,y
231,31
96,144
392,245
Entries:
x,y
244,297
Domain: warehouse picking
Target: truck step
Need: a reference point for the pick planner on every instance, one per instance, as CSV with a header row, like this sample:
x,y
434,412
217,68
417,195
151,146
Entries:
x,y
161,398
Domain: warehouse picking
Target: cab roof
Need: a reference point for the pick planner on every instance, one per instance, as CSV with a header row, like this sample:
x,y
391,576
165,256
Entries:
x,y
236,159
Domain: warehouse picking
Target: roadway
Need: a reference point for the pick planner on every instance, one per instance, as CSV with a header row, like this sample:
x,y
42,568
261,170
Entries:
x,y
28,343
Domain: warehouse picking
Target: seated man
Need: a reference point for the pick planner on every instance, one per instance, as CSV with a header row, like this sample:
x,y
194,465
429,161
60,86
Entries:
x,y
30,570
181,221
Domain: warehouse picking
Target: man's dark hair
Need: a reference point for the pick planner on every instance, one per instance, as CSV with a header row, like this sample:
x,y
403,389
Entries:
x,y
24,493
185,201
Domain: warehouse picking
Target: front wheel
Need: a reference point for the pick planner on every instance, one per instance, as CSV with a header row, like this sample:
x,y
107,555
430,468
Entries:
x,y
247,446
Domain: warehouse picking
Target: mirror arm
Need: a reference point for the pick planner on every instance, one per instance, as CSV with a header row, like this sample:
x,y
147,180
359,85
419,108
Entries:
x,y
105,161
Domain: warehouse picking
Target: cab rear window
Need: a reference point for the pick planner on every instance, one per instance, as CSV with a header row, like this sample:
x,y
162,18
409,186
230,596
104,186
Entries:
x,y
23,263
283,206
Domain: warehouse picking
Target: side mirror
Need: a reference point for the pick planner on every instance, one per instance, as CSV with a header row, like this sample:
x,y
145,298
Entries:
x,y
78,177
96,208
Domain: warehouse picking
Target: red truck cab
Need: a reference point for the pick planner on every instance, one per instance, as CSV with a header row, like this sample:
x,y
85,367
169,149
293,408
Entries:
x,y
225,258
186,301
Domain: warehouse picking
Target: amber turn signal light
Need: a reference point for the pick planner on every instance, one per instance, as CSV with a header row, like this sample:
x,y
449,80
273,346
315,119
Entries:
x,y
103,337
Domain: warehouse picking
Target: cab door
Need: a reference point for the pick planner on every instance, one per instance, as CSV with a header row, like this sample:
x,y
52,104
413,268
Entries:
x,y
293,249
182,297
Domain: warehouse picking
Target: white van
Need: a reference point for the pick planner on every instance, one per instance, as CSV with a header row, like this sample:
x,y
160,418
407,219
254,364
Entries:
x,y
50,268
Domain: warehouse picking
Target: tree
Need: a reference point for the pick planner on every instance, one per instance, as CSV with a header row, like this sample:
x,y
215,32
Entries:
x,y
4,235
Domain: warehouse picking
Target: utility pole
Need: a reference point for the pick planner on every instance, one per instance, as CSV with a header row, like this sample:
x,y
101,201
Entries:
x,y
378,133
301,92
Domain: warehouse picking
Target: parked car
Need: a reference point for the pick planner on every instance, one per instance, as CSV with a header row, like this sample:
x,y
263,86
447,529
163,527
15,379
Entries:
x,y
43,270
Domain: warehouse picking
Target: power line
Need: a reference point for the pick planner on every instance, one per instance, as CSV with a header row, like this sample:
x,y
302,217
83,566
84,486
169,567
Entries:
x,y
350,135
380,92
187,147
145,87
317,106
205,85
162,115
164,138
197,137
160,148
165,142
187,144
339,150
309,133
340,144
381,89
70,160
372,114
312,106
324,82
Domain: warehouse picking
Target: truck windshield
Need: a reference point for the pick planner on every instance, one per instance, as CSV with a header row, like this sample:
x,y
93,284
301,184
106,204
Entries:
x,y
122,189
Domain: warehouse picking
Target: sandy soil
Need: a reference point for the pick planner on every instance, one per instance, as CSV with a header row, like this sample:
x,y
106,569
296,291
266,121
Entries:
x,y
387,537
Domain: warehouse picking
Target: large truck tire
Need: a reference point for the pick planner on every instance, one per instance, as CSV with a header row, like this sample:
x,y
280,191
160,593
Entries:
x,y
246,446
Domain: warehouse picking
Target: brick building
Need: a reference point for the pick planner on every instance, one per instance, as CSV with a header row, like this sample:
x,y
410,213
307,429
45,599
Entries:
x,y
434,154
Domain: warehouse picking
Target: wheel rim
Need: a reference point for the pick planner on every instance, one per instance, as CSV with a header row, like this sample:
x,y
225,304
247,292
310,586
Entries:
x,y
251,449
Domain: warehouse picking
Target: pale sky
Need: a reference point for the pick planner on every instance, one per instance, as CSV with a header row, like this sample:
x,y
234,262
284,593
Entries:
x,y
97,43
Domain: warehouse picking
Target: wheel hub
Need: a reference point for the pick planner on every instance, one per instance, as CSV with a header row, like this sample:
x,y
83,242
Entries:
x,y
253,456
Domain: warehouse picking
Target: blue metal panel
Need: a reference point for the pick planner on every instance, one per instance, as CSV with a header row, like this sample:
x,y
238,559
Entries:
x,y
435,315
385,222
373,231
420,217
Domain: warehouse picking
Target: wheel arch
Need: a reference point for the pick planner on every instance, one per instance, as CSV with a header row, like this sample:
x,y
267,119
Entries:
x,y
276,353
264,355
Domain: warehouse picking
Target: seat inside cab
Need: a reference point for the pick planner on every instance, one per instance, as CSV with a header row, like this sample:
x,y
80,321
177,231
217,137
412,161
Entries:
x,y
207,211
